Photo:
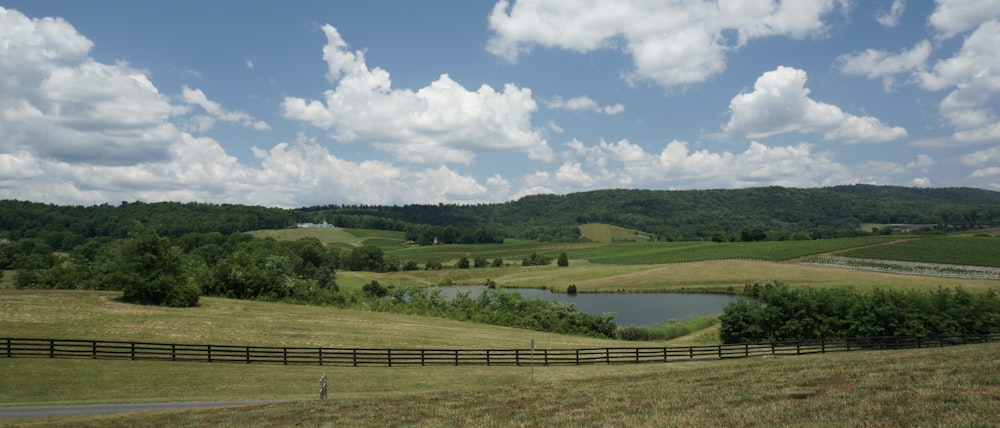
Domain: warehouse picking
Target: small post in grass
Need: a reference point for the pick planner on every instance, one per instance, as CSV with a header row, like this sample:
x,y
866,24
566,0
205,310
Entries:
x,y
532,360
322,387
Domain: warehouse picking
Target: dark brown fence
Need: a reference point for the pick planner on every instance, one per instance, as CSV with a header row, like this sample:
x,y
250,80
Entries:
x,y
107,350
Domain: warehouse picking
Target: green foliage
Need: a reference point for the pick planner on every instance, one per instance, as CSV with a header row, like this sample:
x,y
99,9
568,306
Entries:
x,y
374,289
563,260
536,259
666,331
410,265
783,313
497,262
480,262
433,265
571,289
498,307
463,262
151,272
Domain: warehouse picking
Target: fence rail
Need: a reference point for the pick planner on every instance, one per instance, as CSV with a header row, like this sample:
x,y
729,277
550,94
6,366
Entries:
x,y
141,351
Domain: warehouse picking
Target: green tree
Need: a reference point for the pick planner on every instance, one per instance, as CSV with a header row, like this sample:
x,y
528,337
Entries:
x,y
563,260
152,273
463,262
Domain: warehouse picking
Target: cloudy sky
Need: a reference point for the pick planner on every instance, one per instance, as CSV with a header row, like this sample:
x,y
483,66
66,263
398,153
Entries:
x,y
393,102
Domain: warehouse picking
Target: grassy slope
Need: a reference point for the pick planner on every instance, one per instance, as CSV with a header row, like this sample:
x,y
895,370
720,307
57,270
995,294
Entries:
x,y
600,232
956,386
99,315
950,386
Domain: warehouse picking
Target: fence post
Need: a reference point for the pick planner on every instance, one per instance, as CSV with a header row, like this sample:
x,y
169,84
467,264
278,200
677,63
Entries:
x,y
720,352
487,357
577,357
132,351
8,347
321,356
284,356
247,350
517,357
607,355
422,357
822,346
746,350
208,352
354,357
798,348
456,357
52,348
664,354
93,349
388,357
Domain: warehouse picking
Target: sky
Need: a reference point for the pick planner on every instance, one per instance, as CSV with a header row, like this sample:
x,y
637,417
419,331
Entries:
x,y
296,104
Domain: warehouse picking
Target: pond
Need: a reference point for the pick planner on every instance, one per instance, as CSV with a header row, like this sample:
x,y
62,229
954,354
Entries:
x,y
632,308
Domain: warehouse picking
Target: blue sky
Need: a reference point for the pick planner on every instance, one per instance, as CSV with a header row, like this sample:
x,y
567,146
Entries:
x,y
395,102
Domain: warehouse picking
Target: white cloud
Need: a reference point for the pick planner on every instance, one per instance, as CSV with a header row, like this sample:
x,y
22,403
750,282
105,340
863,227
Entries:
x,y
892,16
672,43
676,165
875,64
922,161
951,17
780,103
584,103
217,112
974,74
59,103
990,155
439,123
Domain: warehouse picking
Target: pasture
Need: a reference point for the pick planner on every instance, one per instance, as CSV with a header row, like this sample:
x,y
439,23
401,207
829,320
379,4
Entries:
x,y
939,386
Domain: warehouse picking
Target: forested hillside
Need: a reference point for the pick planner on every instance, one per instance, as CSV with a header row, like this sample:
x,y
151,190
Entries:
x,y
775,212
698,214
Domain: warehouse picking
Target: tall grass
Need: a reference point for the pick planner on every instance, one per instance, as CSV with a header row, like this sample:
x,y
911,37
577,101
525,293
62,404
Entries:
x,y
671,329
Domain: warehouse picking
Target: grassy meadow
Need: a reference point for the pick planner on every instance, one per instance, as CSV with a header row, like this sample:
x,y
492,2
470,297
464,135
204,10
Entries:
x,y
957,386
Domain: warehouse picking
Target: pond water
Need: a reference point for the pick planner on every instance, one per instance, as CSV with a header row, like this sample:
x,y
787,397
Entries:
x,y
632,308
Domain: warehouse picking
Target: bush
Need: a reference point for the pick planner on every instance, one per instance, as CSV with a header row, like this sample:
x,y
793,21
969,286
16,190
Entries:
x,y
463,263
410,265
563,260
374,289
571,289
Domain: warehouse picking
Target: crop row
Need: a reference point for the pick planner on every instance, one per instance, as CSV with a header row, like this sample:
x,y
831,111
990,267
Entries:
x,y
910,268
966,250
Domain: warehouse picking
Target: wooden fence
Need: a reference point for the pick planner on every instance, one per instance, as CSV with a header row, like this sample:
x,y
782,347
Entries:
x,y
140,351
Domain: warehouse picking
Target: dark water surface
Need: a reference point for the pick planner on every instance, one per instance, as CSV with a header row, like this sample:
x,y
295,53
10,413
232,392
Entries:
x,y
632,308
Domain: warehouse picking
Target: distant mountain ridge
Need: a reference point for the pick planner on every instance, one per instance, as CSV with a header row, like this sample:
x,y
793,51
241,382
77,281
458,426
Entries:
x,y
783,213
697,214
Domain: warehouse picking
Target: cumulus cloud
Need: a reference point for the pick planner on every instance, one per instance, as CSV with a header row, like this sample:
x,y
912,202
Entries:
x,y
875,64
584,103
973,74
215,111
780,103
439,123
77,131
891,17
951,17
59,103
677,165
672,43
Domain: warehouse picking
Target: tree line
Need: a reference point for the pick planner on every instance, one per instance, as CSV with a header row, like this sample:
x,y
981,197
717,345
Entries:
x,y
777,312
771,213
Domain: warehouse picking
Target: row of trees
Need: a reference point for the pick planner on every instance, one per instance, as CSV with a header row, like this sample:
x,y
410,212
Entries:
x,y
778,312
497,307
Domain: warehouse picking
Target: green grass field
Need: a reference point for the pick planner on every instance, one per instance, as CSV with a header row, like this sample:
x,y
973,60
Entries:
x,y
963,250
957,386
934,387
600,232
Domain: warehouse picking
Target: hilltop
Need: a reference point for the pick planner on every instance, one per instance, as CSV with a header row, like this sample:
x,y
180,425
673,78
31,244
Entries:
x,y
660,215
